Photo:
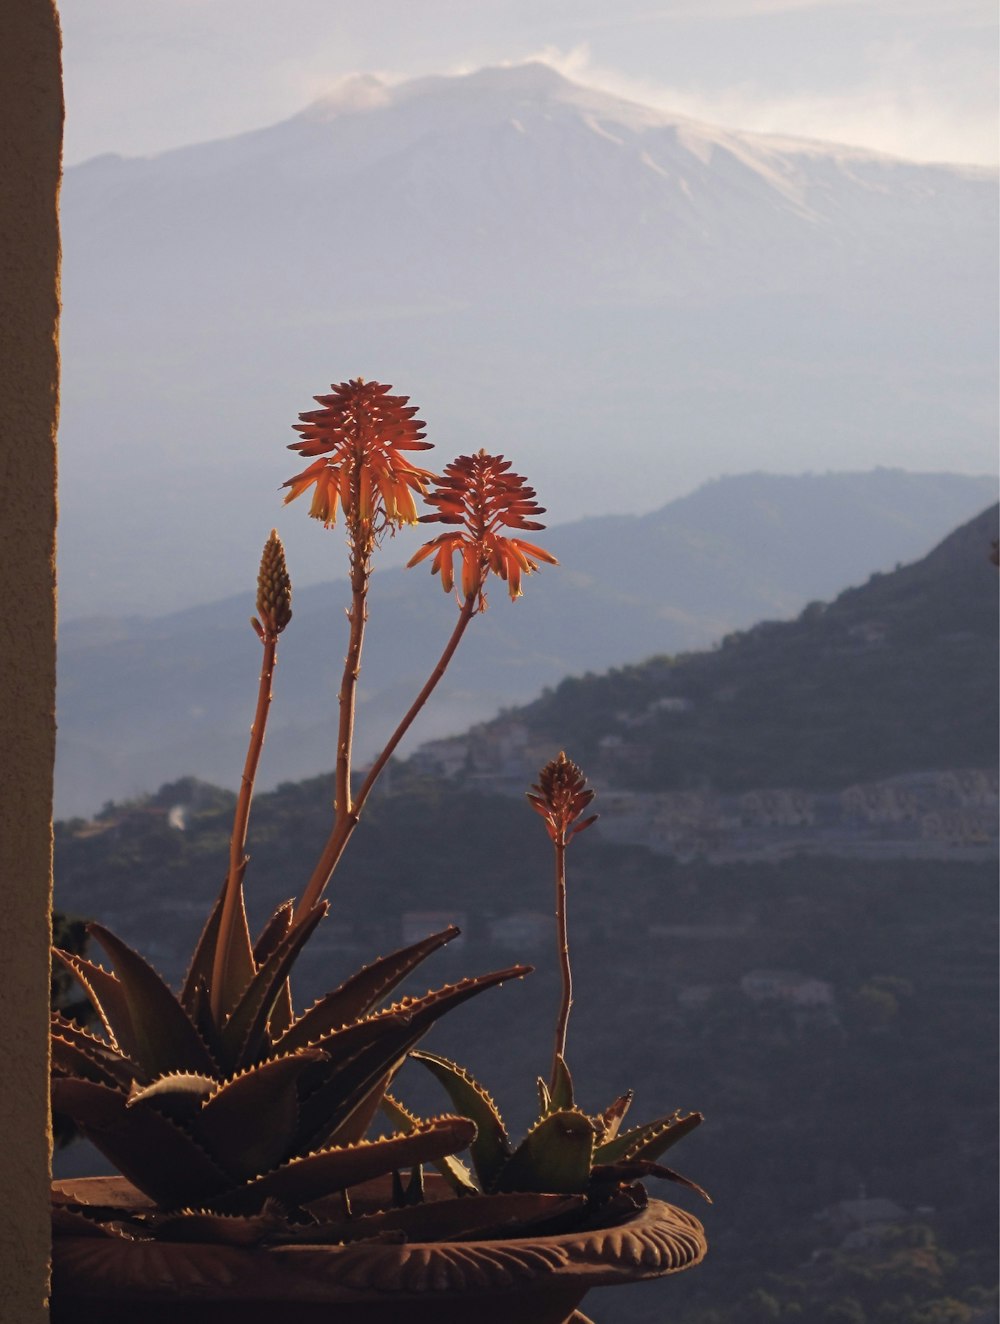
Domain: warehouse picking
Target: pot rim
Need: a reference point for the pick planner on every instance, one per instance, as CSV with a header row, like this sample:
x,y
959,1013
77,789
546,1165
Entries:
x,y
658,1240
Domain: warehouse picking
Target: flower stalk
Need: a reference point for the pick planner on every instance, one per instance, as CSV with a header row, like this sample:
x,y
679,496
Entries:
x,y
344,824
477,492
274,611
561,796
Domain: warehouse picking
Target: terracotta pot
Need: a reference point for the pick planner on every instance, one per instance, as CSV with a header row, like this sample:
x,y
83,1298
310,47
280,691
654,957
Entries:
x,y
541,1280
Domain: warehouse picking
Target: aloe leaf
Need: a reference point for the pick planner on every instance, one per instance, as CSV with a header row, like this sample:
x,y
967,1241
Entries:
x,y
544,1097
201,1225
355,1125
358,995
635,1169
177,1094
452,1169
414,1193
165,1036
273,932
243,1033
199,972
424,1011
609,1122
77,1052
360,1056
405,1023
327,1170
248,1123
555,1155
491,1148
200,1012
478,1218
562,1091
154,1153
239,966
71,1223
68,1059
282,1013
108,998
649,1141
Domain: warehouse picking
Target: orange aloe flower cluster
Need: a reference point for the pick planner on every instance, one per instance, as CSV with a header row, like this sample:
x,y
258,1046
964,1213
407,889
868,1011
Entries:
x,y
561,796
480,492
361,432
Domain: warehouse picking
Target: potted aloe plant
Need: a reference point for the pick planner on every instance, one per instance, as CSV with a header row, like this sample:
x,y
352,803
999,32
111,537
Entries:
x,y
252,1179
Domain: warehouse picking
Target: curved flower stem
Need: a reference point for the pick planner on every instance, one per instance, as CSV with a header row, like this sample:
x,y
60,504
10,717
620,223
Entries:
x,y
562,937
241,821
346,823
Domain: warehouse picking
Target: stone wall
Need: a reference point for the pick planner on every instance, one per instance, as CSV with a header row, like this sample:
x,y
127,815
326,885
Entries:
x,y
31,118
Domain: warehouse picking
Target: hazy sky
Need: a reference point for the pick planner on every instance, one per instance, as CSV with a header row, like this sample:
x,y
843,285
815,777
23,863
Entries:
x,y
913,77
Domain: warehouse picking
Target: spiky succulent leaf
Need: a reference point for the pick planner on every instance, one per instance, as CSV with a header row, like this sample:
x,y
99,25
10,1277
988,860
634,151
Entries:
x,y
243,1033
424,1011
609,1122
629,1170
544,1097
201,1013
491,1148
201,1225
199,972
274,931
326,1170
562,1090
452,1169
248,1123
71,1223
77,1052
154,1153
358,1057
357,996
68,1059
239,967
356,1124
394,1032
478,1218
178,1094
107,998
649,1141
241,961
165,1037
282,1013
556,1155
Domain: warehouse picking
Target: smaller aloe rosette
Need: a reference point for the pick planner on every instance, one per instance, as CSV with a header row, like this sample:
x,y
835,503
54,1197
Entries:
x,y
566,1150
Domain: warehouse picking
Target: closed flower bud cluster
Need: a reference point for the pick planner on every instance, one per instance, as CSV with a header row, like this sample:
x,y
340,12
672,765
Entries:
x,y
274,588
560,796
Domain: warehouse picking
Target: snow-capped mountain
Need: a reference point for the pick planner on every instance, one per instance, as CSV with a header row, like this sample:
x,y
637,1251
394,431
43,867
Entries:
x,y
623,301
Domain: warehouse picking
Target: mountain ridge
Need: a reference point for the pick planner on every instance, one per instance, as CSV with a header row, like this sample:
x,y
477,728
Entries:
x,y
142,701
894,676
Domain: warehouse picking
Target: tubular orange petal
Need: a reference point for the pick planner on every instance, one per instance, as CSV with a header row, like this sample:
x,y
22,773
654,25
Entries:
x,y
532,550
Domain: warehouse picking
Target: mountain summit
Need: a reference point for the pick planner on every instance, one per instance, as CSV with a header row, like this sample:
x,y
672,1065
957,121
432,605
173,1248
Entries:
x,y
624,302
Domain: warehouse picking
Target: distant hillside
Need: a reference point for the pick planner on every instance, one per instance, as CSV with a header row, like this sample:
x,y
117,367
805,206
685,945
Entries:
x,y
895,676
143,701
